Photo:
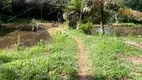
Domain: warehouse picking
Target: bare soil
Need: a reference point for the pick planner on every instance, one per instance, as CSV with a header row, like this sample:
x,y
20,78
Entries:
x,y
136,44
134,60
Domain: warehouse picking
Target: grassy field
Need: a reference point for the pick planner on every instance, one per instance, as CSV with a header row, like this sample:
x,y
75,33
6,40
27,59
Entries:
x,y
106,56
57,60
52,61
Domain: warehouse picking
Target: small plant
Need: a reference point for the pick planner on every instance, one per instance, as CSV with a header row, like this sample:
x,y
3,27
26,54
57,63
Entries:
x,y
33,21
86,28
17,45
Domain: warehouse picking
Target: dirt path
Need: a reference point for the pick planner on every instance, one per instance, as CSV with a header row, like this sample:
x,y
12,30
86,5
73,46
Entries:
x,y
131,43
82,56
135,60
137,45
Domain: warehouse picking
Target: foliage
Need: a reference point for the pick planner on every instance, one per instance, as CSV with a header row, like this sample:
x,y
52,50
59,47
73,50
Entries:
x,y
73,19
5,2
86,28
73,12
131,14
33,21
115,5
134,4
110,19
84,12
127,11
113,8
75,5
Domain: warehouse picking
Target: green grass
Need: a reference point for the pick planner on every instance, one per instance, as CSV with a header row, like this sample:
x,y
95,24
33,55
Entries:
x,y
105,53
131,38
53,61
57,60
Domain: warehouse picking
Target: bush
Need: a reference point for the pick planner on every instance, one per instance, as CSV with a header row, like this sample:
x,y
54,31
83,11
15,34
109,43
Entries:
x,y
86,28
73,18
33,21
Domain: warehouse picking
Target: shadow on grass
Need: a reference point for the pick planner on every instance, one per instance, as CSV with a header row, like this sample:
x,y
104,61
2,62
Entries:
x,y
5,59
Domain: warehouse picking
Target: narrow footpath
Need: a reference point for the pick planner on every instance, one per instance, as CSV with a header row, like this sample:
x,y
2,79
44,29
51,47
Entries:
x,y
82,56
137,45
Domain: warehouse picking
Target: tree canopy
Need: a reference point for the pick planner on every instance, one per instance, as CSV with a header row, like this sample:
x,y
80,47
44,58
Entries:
x,y
134,4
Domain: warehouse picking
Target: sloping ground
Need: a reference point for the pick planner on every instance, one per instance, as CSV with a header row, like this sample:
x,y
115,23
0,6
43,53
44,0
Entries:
x,y
104,54
106,62
136,64
135,60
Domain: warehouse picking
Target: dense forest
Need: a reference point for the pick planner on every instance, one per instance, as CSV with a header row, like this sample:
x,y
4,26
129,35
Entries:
x,y
70,39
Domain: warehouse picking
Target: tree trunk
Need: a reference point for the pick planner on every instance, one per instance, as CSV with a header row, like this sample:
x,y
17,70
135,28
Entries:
x,y
81,11
0,4
102,18
116,18
28,16
80,18
41,12
12,7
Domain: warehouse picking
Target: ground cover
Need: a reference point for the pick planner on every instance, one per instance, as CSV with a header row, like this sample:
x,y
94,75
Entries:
x,y
54,61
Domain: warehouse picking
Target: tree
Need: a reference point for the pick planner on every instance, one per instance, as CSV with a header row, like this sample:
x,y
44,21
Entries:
x,y
92,10
75,5
5,2
103,6
73,11
113,7
100,4
134,4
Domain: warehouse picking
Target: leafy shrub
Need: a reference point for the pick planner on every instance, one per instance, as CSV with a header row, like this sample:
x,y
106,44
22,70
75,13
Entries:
x,y
73,19
110,19
86,28
5,59
33,21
